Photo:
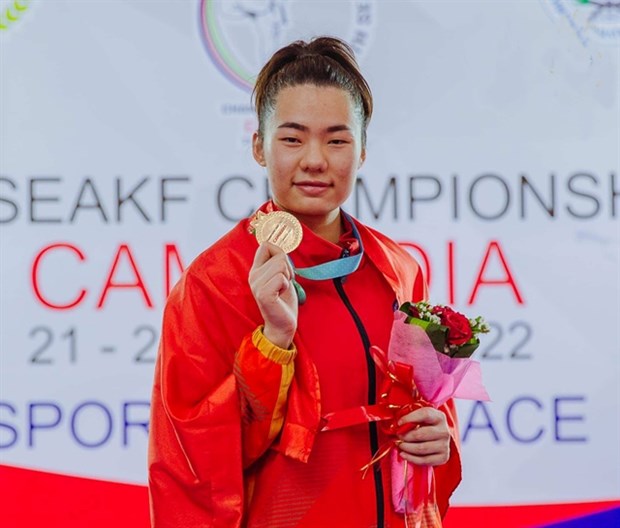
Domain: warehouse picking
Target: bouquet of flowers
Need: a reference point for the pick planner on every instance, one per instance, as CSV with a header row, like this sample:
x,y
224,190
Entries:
x,y
428,362
450,332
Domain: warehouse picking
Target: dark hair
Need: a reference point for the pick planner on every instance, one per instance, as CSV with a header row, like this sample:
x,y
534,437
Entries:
x,y
324,61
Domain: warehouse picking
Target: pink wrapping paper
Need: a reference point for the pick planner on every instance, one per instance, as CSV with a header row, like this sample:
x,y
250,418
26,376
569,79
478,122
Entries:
x,y
438,378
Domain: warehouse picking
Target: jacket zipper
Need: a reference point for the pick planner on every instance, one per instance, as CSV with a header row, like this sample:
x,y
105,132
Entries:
x,y
372,393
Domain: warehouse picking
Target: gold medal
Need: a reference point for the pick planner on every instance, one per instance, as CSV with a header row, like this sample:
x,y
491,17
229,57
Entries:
x,y
279,228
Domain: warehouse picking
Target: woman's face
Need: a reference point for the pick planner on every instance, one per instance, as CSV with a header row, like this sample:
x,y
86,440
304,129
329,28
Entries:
x,y
312,149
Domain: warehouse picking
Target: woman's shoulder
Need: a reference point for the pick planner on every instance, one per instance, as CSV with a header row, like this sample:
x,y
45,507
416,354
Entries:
x,y
233,251
387,244
395,262
223,267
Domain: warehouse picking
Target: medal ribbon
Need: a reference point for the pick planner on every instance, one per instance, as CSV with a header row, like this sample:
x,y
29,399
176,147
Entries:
x,y
332,269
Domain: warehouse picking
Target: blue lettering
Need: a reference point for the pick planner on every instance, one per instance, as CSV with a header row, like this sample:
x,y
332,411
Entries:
x,y
486,424
509,420
4,444
33,424
127,423
567,418
108,418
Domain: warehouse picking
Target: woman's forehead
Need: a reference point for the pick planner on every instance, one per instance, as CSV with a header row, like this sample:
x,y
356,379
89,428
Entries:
x,y
314,104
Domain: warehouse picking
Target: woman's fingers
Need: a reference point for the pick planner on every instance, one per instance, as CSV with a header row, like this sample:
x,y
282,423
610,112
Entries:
x,y
268,261
427,440
271,284
435,458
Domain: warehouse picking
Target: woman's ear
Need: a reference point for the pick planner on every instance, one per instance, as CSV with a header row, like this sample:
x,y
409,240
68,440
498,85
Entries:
x,y
362,158
258,150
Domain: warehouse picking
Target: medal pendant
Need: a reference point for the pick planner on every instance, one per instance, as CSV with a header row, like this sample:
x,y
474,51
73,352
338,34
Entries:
x,y
279,228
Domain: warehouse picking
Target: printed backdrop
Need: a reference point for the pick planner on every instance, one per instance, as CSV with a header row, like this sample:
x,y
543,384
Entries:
x,y
493,156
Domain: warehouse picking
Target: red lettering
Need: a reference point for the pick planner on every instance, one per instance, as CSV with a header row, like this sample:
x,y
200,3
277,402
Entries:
x,y
494,247
171,250
36,283
451,296
123,249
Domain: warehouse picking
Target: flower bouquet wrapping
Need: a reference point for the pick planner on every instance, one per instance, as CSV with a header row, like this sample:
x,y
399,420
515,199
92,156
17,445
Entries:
x,y
428,362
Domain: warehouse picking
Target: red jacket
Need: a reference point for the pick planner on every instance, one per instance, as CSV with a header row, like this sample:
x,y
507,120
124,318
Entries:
x,y
234,438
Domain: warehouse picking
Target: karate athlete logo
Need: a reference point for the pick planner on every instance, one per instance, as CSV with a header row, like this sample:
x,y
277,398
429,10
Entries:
x,y
240,35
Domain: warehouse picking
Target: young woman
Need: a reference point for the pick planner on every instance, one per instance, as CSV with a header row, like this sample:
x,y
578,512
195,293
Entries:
x,y
259,346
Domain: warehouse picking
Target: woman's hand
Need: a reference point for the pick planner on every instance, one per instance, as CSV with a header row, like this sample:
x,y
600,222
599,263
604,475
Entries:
x,y
271,282
428,442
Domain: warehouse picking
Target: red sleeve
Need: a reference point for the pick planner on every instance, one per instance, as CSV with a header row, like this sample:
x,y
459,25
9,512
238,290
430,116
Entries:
x,y
213,408
264,373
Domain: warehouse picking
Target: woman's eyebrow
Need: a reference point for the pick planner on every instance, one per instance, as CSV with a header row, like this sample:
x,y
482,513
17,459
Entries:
x,y
304,128
296,126
339,128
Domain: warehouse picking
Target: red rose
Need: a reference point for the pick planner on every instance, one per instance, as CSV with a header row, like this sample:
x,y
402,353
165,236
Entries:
x,y
459,331
413,311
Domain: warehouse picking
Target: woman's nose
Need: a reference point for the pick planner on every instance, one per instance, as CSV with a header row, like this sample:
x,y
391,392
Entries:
x,y
314,159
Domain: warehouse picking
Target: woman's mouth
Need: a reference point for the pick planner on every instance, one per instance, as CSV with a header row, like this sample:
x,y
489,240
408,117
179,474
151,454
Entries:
x,y
312,188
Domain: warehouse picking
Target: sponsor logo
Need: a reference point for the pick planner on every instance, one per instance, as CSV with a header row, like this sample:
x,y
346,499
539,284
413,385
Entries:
x,y
241,35
11,12
591,20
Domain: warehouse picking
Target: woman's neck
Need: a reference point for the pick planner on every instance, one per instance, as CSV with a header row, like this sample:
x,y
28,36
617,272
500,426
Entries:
x,y
327,227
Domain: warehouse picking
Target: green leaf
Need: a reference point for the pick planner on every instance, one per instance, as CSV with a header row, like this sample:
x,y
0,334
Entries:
x,y
406,307
466,350
436,333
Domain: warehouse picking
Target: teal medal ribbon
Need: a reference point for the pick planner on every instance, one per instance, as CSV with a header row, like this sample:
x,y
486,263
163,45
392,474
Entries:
x,y
332,269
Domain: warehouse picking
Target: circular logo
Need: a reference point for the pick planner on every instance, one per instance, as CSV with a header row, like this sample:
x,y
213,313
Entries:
x,y
241,35
11,12
590,19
